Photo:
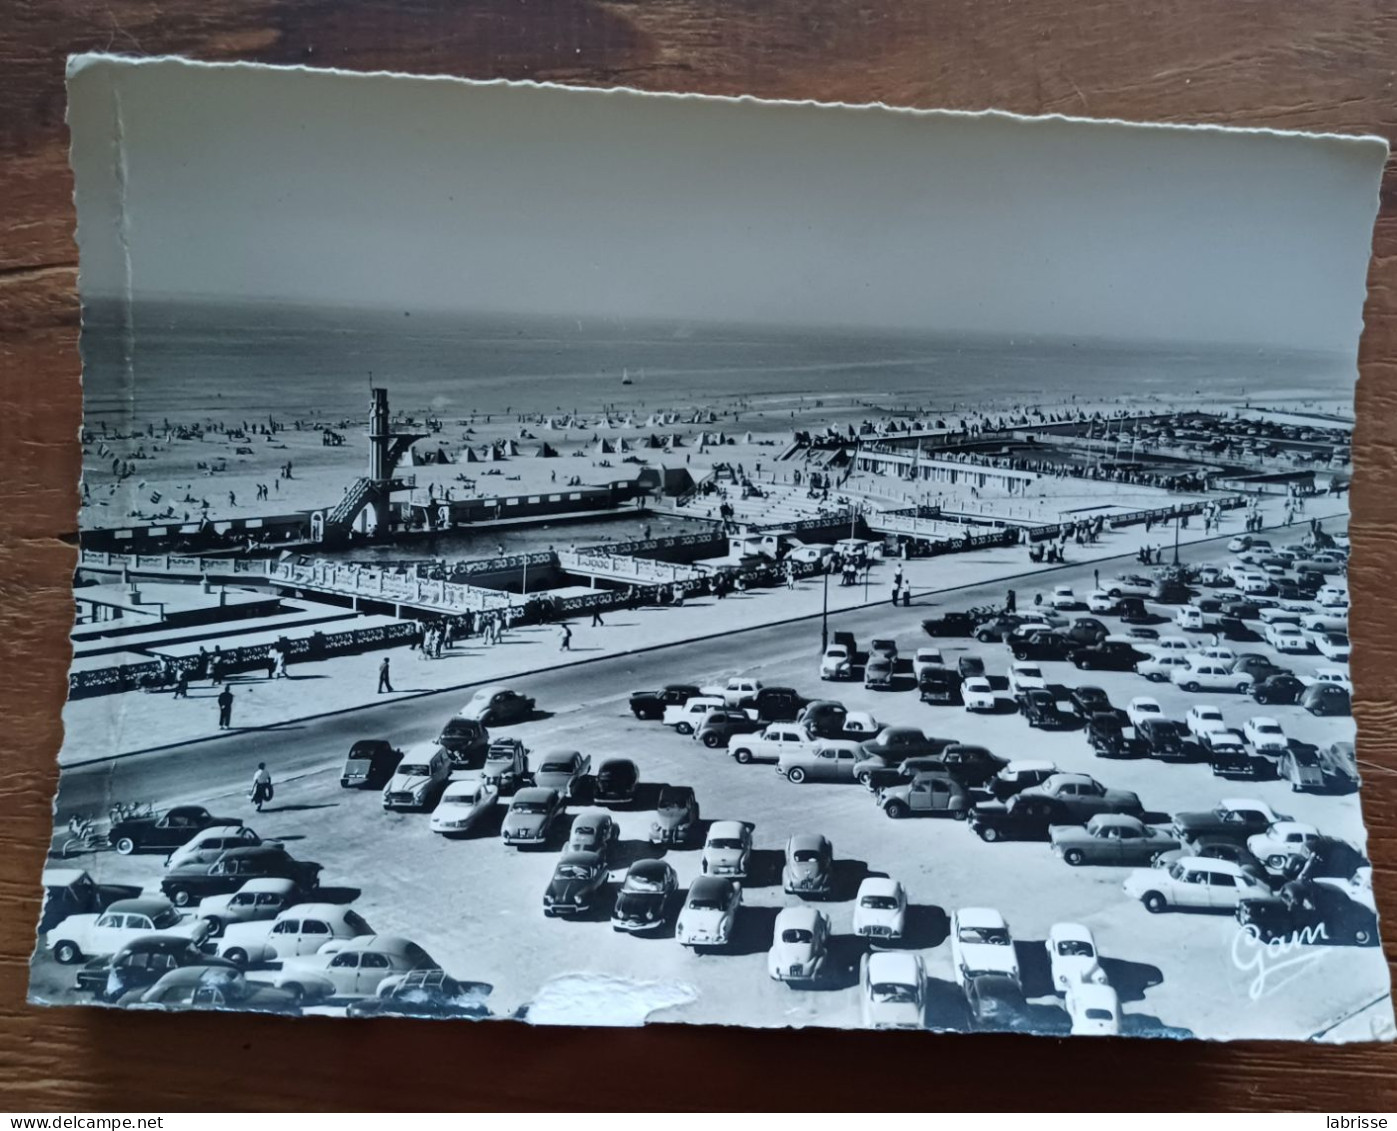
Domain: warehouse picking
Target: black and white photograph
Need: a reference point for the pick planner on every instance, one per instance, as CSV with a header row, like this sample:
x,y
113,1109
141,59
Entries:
x,y
599,558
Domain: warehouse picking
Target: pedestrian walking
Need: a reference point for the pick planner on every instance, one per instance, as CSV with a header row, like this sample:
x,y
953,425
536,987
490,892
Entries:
x,y
597,622
1096,579
225,708
182,685
906,594
385,683
261,791
565,644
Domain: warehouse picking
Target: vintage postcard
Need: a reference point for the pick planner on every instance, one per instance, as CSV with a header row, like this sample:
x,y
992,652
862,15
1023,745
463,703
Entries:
x,y
596,557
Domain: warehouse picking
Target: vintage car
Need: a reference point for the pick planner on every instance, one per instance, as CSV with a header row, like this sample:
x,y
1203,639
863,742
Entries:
x,y
351,968
425,993
265,897
829,759
880,909
1202,718
169,829
563,770
709,912
531,816
1278,688
738,692
892,988
1076,797
1142,707
1019,818
727,851
925,658
1303,767
302,929
1161,668
1195,883
823,718
1229,757
1340,765
925,794
369,764
977,694
1265,735
1109,655
769,746
895,744
775,705
506,765
646,897
939,685
1094,1008
1036,645
688,716
1107,736
1072,956
616,782
138,965
718,727
996,1003
1210,675
676,815
972,766
1164,738
71,891
208,845
878,674
1040,709
1286,637
464,739
465,804
1326,699
970,667
1019,775
1026,677
1233,818
1281,841
799,945
837,663
578,879
652,704
1088,701
1216,848
593,830
981,944
92,935
809,866
210,986
950,624
419,778
1305,913
498,706
1087,630
192,882
1110,838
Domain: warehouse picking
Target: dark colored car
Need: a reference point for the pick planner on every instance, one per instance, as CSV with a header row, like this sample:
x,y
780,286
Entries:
x,y
1039,707
646,897
676,815
1019,818
1169,591
1219,848
1303,767
1340,765
1256,666
778,704
427,993
141,963
997,628
1087,630
1230,758
1234,628
1281,687
370,764
1308,913
1222,823
720,725
170,829
1038,644
1106,734
809,866
1090,701
877,780
846,641
895,744
1109,655
972,766
616,782
1131,610
996,1004
1241,609
1163,738
970,667
939,685
949,624
1326,699
190,883
824,718
71,891
464,739
652,704
878,672
578,878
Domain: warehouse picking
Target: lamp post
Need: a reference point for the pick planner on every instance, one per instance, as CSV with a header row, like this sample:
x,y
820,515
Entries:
x,y
824,616
1178,517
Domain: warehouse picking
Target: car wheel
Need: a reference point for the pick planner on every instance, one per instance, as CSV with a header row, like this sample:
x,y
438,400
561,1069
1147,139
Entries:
x,y
1074,857
125,845
865,778
1155,677
959,814
215,926
1154,902
795,774
989,834
1276,861
67,952
1191,685
684,728
711,740
295,989
1243,687
1362,936
896,810
742,755
179,897
236,955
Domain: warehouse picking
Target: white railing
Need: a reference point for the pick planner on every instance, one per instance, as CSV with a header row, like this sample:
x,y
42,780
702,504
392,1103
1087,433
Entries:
x,y
633,569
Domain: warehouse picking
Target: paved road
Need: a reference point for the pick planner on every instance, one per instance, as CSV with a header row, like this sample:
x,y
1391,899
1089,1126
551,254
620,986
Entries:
x,y
221,765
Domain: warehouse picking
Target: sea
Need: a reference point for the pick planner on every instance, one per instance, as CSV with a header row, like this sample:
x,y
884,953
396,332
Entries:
x,y
187,360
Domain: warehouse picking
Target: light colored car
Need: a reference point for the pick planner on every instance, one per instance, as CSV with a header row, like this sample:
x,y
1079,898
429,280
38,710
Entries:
x,y
563,770
811,552
420,776
1203,717
302,929
861,725
1281,841
1210,675
594,830
880,909
530,817
263,897
977,693
1332,646
981,944
98,935
1190,617
799,945
1286,637
809,866
836,663
738,692
727,849
1142,707
1337,676
1265,735
1094,1008
1024,676
1021,774
778,739
463,805
1064,599
351,968
1168,645
497,705
1072,956
685,717
1332,597
925,658
828,759
1322,622
1161,668
892,988
1194,882
1102,603
709,912
1214,654
1112,839
1128,586
216,839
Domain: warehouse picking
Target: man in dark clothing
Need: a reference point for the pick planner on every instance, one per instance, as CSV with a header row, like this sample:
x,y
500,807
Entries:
x,y
597,622
1011,602
384,682
225,708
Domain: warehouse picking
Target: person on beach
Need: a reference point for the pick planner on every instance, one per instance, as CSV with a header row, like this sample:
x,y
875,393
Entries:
x,y
225,708
261,791
385,683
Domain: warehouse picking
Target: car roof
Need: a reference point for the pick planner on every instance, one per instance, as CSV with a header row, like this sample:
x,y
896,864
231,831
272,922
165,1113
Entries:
x,y
195,975
269,883
797,917
899,966
1123,819
1214,862
559,754
1294,827
591,816
1023,765
1244,803
384,944
726,828
425,751
140,906
534,793
1071,931
980,917
1064,777
458,787
493,689
878,885
313,911
650,868
158,942
617,764
708,886
591,859
807,840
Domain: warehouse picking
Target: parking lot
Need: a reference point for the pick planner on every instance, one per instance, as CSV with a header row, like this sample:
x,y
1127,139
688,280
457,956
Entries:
x,y
476,905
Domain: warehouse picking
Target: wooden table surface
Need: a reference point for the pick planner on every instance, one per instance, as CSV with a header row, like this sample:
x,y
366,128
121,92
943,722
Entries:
x,y
1292,64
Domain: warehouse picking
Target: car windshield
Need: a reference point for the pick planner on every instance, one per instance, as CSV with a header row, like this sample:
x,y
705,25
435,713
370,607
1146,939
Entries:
x,y
892,992
797,935
414,769
573,871
1032,673
459,799
706,903
992,936
555,768
529,807
1076,948
806,856
727,842
1097,1014
163,919
636,883
879,902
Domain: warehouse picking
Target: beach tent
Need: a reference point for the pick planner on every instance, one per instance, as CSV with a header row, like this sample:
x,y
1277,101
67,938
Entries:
x,y
623,445
470,455
496,452
606,447
548,451
747,438
511,448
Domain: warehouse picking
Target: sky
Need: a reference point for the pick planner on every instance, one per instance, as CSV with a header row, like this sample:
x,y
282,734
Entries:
x,y
252,182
